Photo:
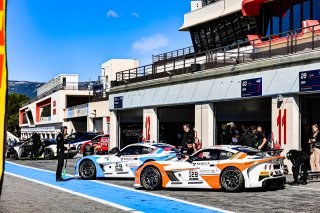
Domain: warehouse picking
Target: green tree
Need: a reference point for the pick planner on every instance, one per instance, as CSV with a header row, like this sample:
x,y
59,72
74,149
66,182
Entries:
x,y
15,102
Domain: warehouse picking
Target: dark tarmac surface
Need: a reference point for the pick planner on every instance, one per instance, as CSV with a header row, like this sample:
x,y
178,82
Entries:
x,y
291,199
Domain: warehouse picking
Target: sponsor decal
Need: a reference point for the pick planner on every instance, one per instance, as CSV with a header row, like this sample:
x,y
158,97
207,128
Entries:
x,y
201,163
264,173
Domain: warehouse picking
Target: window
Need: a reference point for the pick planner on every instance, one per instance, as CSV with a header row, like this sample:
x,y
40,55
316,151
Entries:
x,y
281,16
224,155
132,150
146,150
205,155
316,9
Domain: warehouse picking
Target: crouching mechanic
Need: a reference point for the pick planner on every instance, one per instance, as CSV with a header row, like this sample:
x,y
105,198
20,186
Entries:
x,y
299,159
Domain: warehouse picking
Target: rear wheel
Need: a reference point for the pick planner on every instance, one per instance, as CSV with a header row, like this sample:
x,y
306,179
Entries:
x,y
48,154
231,179
151,178
88,150
87,170
13,155
79,149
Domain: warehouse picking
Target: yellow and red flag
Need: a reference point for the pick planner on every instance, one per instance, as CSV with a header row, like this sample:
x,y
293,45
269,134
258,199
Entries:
x,y
3,86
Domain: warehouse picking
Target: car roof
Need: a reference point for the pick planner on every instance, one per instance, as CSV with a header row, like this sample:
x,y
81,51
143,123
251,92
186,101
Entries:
x,y
151,145
233,148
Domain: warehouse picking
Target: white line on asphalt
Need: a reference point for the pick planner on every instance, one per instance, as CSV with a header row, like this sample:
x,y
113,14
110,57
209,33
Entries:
x,y
148,193
76,193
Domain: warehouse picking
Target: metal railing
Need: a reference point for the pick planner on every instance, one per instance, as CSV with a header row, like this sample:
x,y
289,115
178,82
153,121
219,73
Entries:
x,y
173,54
303,39
77,111
62,86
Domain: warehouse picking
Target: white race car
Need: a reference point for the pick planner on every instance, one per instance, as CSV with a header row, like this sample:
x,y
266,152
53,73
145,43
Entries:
x,y
124,163
230,168
46,150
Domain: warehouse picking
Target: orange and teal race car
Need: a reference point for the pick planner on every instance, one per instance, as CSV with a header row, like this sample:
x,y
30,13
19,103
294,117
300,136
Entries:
x,y
230,168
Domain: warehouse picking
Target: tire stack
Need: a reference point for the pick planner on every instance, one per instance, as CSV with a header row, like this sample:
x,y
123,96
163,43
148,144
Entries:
x,y
88,150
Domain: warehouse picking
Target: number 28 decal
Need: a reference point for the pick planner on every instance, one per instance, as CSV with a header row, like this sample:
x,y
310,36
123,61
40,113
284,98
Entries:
x,y
193,175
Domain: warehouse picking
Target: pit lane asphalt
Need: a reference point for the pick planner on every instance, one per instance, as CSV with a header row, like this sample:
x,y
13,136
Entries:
x,y
291,199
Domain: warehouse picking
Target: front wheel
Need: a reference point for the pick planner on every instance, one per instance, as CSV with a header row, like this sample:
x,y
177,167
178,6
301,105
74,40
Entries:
x,y
231,179
87,170
48,154
151,178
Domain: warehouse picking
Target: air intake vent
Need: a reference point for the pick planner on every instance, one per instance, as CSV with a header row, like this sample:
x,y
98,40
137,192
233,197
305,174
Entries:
x,y
172,176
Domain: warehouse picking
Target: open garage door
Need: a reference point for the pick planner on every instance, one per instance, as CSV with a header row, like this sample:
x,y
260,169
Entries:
x,y
244,112
131,123
171,120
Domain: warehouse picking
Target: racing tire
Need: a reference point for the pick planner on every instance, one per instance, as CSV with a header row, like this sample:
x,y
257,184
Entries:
x,y
87,170
48,154
114,150
151,178
88,150
13,155
79,149
231,180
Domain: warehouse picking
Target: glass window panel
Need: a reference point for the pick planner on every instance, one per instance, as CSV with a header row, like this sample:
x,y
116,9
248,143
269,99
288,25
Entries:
x,y
229,30
276,14
196,40
286,16
203,39
297,16
316,9
306,10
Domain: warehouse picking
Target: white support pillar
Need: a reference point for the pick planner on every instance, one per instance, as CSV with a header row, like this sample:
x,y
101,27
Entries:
x,y
286,124
114,130
90,125
150,124
205,122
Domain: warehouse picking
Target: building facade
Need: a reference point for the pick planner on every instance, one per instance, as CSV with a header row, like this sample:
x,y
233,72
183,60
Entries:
x,y
64,101
253,62
54,106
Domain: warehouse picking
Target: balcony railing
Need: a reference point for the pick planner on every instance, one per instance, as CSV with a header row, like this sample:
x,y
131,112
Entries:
x,y
173,54
62,86
77,111
299,40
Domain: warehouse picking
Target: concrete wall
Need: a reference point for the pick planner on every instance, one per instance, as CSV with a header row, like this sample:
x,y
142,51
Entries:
x,y
111,67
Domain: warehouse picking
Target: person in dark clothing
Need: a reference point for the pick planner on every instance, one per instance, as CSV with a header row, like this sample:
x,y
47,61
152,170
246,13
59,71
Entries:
x,y
35,145
248,138
188,136
60,152
191,148
299,159
262,142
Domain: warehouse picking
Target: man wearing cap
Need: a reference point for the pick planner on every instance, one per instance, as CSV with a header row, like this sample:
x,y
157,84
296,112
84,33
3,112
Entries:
x,y
60,152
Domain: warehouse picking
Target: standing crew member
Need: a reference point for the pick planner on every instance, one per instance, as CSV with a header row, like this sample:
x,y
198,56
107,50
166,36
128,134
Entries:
x,y
188,136
60,152
315,149
35,145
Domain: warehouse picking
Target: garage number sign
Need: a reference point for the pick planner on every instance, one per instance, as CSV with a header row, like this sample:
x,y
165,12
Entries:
x,y
118,102
309,81
251,87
